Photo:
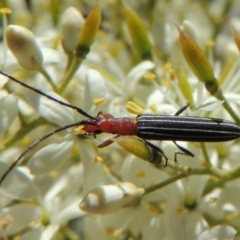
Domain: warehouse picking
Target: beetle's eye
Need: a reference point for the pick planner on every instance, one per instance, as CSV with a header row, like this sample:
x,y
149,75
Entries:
x,y
98,132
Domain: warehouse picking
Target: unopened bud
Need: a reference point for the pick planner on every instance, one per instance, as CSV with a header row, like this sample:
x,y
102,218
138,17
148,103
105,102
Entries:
x,y
138,33
185,86
71,25
88,32
111,198
24,47
198,62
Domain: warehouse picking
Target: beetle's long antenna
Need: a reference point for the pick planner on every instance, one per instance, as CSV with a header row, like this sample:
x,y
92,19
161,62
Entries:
x,y
37,142
79,110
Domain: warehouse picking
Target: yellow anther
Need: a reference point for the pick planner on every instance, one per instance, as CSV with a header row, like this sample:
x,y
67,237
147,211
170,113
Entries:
x,y
166,67
109,230
153,108
104,46
116,103
97,101
79,130
149,76
134,108
180,210
6,10
213,200
172,74
54,174
106,170
140,174
97,159
210,43
118,233
152,208
26,141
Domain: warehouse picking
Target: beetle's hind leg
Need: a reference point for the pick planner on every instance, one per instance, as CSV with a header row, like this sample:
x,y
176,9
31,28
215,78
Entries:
x,y
184,152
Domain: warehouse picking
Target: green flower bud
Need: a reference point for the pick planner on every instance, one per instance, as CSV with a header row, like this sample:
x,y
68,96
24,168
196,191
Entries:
x,y
197,61
138,33
185,86
88,32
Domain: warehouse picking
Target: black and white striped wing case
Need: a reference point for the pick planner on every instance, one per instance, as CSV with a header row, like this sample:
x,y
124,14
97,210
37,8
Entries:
x,y
182,128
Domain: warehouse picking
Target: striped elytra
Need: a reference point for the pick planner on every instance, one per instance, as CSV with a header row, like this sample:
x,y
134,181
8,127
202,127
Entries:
x,y
182,128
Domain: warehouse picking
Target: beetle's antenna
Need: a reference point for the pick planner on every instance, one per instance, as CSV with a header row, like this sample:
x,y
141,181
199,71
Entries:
x,y
37,142
79,110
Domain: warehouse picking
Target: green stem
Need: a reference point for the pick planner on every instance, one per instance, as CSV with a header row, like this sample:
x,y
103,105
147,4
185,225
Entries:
x,y
228,176
227,106
68,77
48,78
205,154
185,172
164,183
70,58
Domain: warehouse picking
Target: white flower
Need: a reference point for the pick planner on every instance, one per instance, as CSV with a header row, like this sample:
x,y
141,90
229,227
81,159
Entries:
x,y
67,169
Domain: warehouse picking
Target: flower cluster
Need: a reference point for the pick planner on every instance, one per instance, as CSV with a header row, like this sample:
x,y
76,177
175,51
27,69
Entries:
x,y
125,60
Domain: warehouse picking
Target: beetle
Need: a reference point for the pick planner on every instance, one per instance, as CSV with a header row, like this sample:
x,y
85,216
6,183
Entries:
x,y
146,127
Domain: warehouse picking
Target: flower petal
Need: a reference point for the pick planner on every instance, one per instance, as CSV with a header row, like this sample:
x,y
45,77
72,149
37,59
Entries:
x,y
50,232
3,81
52,156
34,233
218,232
8,112
94,88
22,214
17,184
50,110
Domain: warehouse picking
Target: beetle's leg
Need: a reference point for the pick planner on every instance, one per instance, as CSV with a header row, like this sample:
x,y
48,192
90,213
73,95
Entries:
x,y
107,142
154,147
105,114
182,109
184,152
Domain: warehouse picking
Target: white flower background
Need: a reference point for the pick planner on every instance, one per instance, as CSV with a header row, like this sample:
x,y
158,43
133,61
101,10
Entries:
x,y
66,187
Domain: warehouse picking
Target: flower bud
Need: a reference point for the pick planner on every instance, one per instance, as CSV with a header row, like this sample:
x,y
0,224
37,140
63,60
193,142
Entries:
x,y
71,24
111,198
198,62
24,47
185,86
88,32
138,33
